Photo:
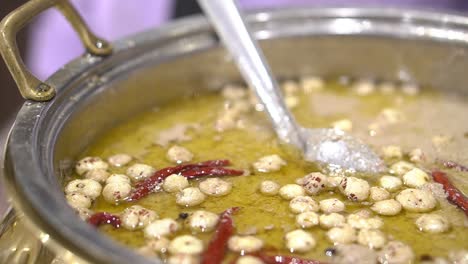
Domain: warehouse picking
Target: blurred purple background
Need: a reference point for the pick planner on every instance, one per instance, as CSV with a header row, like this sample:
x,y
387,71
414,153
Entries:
x,y
53,43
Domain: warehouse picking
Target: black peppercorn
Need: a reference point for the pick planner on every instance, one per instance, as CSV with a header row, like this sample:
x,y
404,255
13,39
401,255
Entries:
x,y
183,215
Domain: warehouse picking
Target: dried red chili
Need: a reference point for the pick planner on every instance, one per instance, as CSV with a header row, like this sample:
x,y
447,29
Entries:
x,y
165,172
102,218
454,165
216,249
206,168
280,259
210,171
454,195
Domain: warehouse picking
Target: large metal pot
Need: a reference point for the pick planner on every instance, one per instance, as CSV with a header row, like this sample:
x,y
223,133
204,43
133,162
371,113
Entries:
x,y
156,67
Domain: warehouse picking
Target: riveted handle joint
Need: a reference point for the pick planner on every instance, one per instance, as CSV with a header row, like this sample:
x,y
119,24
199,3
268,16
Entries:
x,y
29,86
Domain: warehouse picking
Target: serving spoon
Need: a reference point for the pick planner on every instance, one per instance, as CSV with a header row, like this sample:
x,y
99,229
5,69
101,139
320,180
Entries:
x,y
330,146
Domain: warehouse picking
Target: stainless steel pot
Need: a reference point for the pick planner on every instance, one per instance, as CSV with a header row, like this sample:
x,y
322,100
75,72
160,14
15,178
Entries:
x,y
156,67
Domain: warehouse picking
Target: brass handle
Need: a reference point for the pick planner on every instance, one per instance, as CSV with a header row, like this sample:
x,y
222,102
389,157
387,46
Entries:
x,y
29,86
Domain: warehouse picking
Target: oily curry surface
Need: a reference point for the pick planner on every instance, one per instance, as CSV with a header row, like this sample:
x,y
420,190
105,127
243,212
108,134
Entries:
x,y
379,115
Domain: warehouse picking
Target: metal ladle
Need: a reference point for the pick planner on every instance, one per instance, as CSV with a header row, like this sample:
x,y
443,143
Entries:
x,y
330,146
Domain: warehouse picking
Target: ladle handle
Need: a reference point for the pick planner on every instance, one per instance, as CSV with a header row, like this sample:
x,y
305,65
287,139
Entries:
x,y
230,26
30,87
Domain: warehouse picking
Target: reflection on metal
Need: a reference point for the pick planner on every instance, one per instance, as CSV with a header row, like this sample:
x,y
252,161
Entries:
x,y
19,244
30,87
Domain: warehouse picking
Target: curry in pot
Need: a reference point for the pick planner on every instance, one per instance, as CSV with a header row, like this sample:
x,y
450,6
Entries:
x,y
205,180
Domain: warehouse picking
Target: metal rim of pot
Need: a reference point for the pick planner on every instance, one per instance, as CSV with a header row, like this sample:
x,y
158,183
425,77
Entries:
x,y
30,176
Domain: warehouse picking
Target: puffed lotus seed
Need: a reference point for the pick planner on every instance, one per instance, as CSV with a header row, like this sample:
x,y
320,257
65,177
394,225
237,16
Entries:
x,y
387,207
269,188
289,191
158,245
175,183
119,160
90,163
333,182
78,200
186,244
190,196
161,228
137,217
245,244
313,183
364,221
390,183
299,241
331,220
378,194
372,238
354,188
202,221
417,155
215,187
396,252
401,167
415,178
269,163
416,200
115,192
88,187
179,154
432,223
302,204
139,171
332,205
344,234
98,175
118,178
307,219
